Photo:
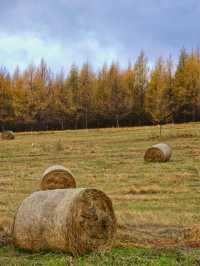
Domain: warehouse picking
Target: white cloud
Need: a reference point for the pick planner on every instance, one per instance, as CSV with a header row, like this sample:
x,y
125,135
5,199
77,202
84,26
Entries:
x,y
26,49
22,50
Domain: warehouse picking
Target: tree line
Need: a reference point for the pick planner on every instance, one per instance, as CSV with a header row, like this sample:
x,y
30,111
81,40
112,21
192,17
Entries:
x,y
38,99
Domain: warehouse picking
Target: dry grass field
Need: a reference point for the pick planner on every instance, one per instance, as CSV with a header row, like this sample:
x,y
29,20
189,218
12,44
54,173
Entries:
x,y
157,204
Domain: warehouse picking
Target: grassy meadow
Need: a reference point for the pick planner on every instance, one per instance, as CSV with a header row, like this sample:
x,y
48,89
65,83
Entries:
x,y
157,204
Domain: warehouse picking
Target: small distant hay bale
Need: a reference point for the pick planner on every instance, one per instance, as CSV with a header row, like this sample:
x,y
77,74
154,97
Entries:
x,y
158,153
7,135
75,221
57,177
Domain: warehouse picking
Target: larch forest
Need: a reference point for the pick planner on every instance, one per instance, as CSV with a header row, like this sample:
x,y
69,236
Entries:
x,y
38,99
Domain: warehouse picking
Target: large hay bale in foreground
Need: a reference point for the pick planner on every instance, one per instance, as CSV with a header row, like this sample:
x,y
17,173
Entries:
x,y
158,153
57,177
7,135
76,221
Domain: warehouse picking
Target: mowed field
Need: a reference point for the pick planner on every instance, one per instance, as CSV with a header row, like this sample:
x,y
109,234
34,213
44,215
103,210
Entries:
x,y
157,204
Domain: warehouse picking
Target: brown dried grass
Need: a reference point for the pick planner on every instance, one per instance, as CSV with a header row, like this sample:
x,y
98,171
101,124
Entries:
x,y
5,231
57,177
191,233
76,221
154,189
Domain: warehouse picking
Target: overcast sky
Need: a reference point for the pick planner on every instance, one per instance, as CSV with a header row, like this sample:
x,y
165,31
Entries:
x,y
64,32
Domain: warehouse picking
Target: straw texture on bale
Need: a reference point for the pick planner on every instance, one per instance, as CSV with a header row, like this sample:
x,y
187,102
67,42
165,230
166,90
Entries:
x,y
7,135
57,177
158,153
75,221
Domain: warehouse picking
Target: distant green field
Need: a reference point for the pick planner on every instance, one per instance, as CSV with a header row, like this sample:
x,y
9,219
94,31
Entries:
x,y
157,204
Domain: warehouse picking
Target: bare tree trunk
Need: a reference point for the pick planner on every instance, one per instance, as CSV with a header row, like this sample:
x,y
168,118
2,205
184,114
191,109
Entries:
x,y
2,127
62,125
76,122
117,121
86,118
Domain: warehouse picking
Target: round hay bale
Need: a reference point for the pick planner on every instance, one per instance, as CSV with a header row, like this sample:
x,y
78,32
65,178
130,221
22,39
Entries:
x,y
158,153
57,177
7,135
76,221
